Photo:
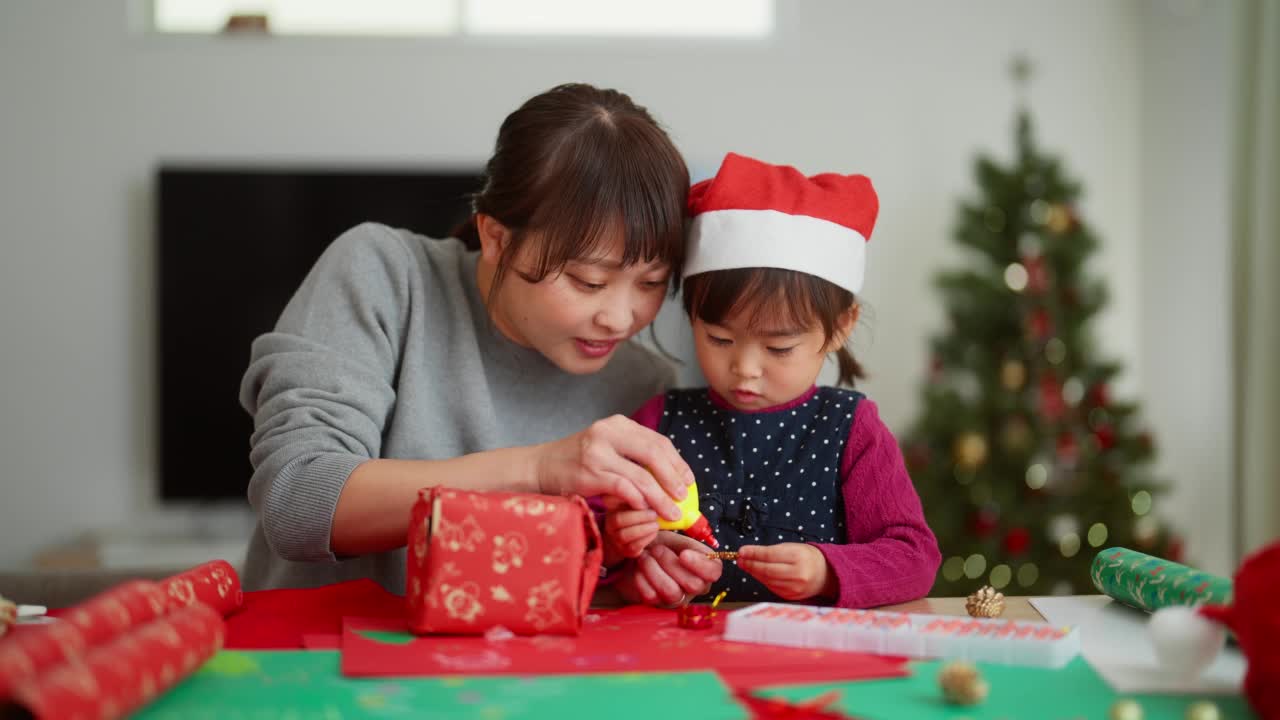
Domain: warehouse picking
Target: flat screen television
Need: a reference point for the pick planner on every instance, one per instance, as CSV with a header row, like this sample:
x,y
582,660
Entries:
x,y
233,243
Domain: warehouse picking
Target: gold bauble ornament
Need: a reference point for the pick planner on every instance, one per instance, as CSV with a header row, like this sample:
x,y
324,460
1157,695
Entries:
x,y
1125,710
1203,710
1016,434
962,684
1013,375
986,602
1059,219
970,450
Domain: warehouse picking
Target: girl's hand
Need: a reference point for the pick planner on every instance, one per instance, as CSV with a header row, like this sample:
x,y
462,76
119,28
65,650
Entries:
x,y
627,533
793,571
610,458
672,570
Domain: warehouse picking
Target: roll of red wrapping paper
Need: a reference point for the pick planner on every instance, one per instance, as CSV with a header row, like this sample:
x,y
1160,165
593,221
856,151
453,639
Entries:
x,y
122,675
214,583
94,622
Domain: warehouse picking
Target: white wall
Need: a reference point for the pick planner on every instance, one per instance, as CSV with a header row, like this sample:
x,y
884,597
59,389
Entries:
x,y
1188,96
904,92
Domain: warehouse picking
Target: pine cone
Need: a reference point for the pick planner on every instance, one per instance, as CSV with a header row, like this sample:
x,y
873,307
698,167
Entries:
x,y
962,684
986,602
8,615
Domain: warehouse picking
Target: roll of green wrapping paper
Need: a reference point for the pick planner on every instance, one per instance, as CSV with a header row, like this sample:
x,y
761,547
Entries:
x,y
1150,583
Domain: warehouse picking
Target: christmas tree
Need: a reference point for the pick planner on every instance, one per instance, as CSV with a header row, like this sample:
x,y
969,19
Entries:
x,y
1026,464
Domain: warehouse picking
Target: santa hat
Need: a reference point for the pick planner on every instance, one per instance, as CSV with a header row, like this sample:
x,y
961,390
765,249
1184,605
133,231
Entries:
x,y
1254,617
753,214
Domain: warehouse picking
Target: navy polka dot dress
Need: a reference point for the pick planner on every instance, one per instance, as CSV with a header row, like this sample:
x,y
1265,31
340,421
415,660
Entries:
x,y
764,477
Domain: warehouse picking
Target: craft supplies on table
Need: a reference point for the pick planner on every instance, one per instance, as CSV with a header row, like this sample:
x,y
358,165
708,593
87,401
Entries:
x,y
1017,642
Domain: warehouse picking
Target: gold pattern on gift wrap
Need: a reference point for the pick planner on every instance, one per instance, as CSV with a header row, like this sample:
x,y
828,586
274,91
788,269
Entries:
x,y
556,557
532,507
542,604
962,684
460,536
985,602
223,580
184,591
509,550
461,601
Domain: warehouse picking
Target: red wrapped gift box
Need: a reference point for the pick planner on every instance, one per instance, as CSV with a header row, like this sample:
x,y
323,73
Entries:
x,y
528,563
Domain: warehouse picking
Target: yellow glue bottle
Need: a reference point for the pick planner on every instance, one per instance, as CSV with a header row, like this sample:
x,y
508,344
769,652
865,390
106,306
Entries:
x,y
692,522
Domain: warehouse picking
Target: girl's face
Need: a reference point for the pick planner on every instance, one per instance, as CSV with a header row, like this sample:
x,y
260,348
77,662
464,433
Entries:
x,y
577,317
758,368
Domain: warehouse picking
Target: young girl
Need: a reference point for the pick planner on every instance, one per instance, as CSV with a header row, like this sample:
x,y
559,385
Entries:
x,y
498,362
806,482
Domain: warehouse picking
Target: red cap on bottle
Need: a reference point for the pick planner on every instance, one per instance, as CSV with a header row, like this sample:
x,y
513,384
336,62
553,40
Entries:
x,y
700,530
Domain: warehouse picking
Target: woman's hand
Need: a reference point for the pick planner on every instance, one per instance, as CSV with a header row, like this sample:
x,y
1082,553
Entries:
x,y
793,571
672,570
610,458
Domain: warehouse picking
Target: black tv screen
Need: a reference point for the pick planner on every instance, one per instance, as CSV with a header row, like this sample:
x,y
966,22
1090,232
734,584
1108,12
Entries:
x,y
233,245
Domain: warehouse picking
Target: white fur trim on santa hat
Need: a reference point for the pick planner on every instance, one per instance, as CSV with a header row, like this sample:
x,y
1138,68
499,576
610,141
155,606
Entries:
x,y
727,239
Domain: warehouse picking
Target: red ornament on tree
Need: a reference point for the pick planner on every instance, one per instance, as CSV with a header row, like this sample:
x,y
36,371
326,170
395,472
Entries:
x,y
1105,437
1039,325
1176,549
1052,406
1098,396
1068,451
983,522
1037,274
935,369
1016,541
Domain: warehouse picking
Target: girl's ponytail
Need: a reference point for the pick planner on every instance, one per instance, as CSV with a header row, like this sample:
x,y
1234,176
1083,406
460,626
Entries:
x,y
850,368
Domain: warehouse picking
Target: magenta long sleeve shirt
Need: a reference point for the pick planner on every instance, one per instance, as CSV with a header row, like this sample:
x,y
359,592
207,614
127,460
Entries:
x,y
887,553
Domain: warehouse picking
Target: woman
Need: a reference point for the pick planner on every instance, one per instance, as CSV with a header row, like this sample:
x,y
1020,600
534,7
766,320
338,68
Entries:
x,y
488,363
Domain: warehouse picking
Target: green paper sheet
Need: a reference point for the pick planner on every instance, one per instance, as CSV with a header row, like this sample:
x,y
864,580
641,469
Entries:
x,y
307,685
1017,693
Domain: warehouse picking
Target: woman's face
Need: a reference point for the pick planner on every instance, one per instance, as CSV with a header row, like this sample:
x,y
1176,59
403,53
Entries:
x,y
577,317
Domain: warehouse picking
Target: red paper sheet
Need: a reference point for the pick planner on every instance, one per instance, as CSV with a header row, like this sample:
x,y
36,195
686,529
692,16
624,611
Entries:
x,y
279,619
633,639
